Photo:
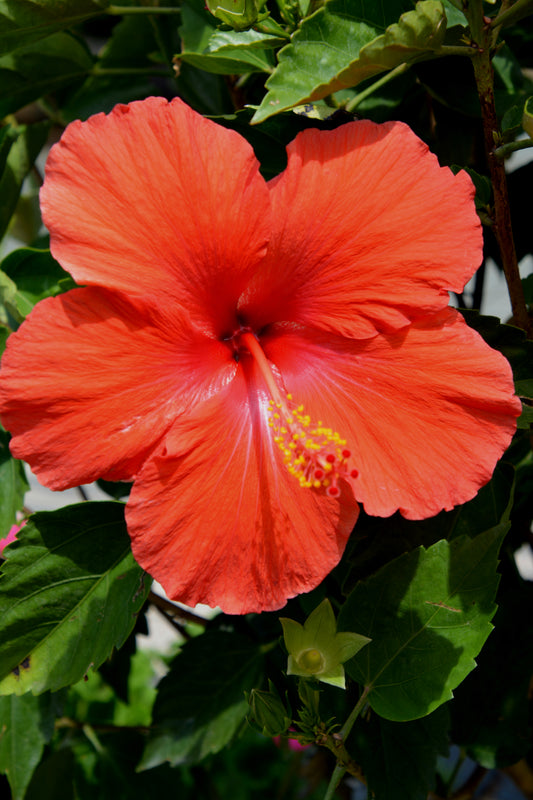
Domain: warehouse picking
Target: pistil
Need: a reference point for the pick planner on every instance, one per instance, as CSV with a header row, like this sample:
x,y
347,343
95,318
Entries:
x,y
316,455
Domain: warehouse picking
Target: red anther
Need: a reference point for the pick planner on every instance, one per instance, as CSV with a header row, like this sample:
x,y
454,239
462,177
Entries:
x,y
330,458
354,473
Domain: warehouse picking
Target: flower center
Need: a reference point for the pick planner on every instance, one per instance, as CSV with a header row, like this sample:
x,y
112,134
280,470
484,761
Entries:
x,y
316,455
312,661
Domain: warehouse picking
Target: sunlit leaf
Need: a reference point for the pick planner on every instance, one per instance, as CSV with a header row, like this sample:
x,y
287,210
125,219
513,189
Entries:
x,y
69,593
428,614
346,42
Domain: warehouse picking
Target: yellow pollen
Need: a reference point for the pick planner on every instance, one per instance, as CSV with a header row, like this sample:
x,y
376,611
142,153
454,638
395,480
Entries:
x,y
316,455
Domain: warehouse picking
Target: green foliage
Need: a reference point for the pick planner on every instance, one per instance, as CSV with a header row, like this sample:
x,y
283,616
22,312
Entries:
x,y
27,725
22,150
368,40
22,23
41,68
399,759
201,704
60,580
428,614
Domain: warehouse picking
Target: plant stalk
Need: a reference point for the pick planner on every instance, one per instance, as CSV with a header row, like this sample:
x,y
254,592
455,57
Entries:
x,y
502,226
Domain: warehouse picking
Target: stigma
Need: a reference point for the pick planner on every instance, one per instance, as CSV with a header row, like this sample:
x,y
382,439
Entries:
x,y
316,455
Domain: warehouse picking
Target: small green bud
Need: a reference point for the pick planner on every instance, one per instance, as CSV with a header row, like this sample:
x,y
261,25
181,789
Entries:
x,y
238,14
527,117
315,648
267,712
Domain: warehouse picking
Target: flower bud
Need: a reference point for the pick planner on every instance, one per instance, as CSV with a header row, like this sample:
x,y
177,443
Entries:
x,y
267,712
238,14
527,117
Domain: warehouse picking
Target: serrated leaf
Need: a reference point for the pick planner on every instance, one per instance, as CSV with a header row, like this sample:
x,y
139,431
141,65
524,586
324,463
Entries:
x,y
13,485
26,21
399,759
69,594
22,154
346,42
26,725
428,614
200,703
223,52
40,69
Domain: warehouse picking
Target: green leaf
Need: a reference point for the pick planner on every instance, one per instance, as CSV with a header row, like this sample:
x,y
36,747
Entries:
x,y
27,724
132,44
200,703
223,52
26,147
69,593
36,275
13,485
399,759
428,614
26,21
40,69
346,42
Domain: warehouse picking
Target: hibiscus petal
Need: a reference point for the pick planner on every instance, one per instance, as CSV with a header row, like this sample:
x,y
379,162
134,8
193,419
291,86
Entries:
x,y
216,518
91,381
370,231
142,200
426,411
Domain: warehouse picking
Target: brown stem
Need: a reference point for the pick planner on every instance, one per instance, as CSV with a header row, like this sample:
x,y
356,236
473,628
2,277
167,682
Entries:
x,y
502,214
175,611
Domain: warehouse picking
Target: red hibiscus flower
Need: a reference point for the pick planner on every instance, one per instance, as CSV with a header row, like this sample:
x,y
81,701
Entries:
x,y
258,357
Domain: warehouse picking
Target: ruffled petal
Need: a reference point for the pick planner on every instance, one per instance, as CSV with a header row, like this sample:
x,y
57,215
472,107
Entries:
x,y
91,382
369,233
426,412
216,518
154,198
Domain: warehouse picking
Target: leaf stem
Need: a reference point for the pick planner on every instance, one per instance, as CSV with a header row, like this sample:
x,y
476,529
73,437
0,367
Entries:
x,y
484,76
516,12
120,10
342,767
389,76
175,611
336,778
506,149
118,71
